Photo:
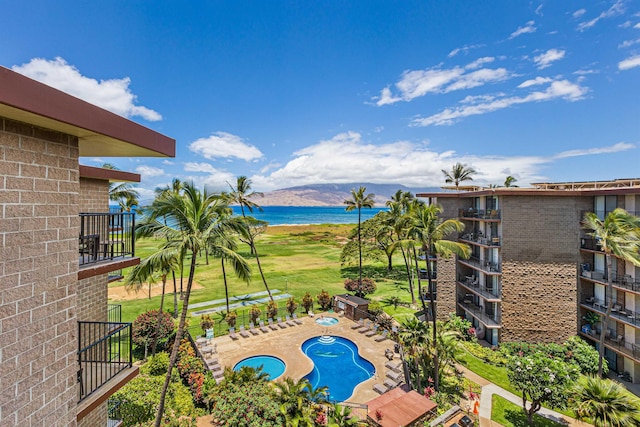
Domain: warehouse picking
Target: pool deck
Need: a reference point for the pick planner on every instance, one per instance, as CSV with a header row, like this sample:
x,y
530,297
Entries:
x,y
286,344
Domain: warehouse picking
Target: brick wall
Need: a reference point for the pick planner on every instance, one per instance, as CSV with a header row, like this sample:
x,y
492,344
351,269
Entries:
x,y
38,275
96,418
94,195
446,288
92,298
540,236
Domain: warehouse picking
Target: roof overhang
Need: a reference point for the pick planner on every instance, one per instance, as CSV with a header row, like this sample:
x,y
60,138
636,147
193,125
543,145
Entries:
x,y
110,175
100,132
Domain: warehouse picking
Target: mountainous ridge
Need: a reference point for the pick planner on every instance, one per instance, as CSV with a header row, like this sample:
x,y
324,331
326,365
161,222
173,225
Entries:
x,y
331,194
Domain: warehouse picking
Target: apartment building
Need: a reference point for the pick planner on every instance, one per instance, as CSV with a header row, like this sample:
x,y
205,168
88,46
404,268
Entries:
x,y
63,350
533,272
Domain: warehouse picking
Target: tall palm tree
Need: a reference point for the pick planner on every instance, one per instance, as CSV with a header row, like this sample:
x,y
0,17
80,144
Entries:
x,y
618,235
296,399
161,263
606,403
510,181
192,218
414,337
458,173
242,194
432,232
358,201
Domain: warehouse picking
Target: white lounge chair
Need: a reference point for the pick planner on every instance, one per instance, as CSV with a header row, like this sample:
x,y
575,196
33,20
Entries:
x,y
281,323
382,337
373,331
272,325
243,332
295,319
289,321
263,328
232,334
252,329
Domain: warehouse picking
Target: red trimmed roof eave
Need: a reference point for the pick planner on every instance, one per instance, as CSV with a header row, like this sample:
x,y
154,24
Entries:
x,y
110,175
100,132
533,192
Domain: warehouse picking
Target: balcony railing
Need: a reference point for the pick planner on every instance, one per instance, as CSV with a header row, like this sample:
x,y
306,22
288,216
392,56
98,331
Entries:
x,y
619,280
425,276
616,344
489,214
114,313
480,239
106,236
617,311
104,350
486,292
491,320
484,265
113,413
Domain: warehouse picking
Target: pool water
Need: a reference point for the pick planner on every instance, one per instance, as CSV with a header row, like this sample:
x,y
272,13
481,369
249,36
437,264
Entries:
x,y
326,321
337,365
272,366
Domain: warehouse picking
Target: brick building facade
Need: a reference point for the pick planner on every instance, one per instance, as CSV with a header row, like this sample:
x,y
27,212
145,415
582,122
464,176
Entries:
x,y
54,282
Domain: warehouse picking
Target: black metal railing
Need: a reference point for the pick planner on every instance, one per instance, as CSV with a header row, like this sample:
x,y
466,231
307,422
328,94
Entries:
x,y
479,311
616,343
104,350
425,276
106,236
479,213
113,411
617,310
114,313
484,265
481,239
486,291
625,281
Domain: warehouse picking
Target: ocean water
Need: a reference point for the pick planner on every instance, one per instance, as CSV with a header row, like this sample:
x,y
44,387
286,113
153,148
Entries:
x,y
297,215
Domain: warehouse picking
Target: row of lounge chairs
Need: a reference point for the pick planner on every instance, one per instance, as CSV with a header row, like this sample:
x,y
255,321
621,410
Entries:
x,y
273,325
393,378
370,329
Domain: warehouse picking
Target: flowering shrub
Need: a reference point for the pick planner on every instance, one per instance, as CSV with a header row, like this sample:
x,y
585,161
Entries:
x,y
324,300
368,286
144,329
244,405
307,302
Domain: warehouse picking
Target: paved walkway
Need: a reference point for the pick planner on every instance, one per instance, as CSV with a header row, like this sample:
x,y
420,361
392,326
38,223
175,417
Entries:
x,y
489,389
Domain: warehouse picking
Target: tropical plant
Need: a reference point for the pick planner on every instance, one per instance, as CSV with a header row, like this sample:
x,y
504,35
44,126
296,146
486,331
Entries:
x,y
341,416
206,322
458,173
605,403
617,235
307,302
431,233
324,300
292,305
254,314
510,181
414,337
272,309
296,400
151,327
242,194
192,222
124,193
231,318
591,318
541,381
361,288
358,201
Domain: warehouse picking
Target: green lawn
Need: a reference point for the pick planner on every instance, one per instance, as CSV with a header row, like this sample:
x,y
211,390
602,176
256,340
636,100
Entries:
x,y
511,415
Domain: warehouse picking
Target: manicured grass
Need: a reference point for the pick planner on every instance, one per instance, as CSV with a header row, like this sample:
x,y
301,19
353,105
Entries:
x,y
495,374
511,415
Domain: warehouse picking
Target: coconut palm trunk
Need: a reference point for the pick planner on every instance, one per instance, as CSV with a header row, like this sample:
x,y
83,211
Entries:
x,y
176,344
154,343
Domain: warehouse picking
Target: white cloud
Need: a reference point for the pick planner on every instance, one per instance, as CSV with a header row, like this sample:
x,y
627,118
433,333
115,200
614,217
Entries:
x,y
578,13
637,26
149,171
528,28
168,162
417,83
225,145
464,49
558,89
535,82
616,9
199,167
544,60
402,162
631,62
113,94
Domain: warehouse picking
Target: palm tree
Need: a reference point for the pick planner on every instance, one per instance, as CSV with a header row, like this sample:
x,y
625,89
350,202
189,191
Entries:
x,y
618,235
358,201
162,263
192,218
123,193
510,181
341,417
414,337
458,173
242,194
431,232
606,403
296,399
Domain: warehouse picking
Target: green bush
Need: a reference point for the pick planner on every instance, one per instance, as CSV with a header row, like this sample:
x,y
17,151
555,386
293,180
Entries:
x,y
156,365
494,357
375,308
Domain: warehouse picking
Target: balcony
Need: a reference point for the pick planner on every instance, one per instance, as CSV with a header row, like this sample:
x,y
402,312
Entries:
x,y
615,344
480,239
617,311
490,320
480,214
106,236
488,293
104,362
488,267
425,276
622,281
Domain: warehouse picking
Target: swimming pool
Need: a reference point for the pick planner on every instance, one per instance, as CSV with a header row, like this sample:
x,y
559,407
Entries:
x,y
326,321
273,366
337,365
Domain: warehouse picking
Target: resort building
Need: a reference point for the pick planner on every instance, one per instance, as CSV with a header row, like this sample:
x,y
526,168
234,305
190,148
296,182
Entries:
x,y
63,350
533,272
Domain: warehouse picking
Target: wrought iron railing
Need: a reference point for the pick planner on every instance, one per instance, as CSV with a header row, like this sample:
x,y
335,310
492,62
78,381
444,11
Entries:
x,y
625,281
113,412
489,319
487,292
104,350
484,265
479,213
114,313
106,236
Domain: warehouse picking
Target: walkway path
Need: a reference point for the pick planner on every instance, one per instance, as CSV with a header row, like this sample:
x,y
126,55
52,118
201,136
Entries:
x,y
489,389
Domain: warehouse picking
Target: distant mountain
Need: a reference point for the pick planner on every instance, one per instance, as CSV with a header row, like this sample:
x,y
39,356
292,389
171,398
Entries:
x,y
330,194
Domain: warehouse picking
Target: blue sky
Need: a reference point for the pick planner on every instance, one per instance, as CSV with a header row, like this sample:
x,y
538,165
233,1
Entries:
x,y
292,93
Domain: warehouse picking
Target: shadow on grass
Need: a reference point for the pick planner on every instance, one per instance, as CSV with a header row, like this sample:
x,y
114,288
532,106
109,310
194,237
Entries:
x,y
512,415
375,272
